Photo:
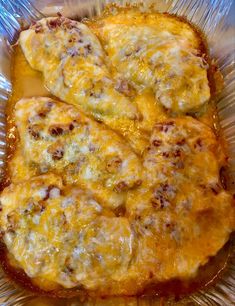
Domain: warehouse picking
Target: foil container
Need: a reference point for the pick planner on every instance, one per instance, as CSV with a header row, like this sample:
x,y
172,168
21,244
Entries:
x,y
216,18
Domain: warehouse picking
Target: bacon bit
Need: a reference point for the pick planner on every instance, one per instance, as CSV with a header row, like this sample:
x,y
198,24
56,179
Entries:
x,y
164,127
87,49
0,206
164,187
162,195
58,154
73,125
123,87
198,144
61,129
113,164
159,201
59,14
54,23
75,39
151,275
42,115
46,109
56,150
170,226
120,211
165,154
181,142
155,203
56,130
177,153
156,142
121,186
34,131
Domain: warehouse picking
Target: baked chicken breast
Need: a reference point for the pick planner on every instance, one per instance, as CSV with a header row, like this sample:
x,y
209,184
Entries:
x,y
57,137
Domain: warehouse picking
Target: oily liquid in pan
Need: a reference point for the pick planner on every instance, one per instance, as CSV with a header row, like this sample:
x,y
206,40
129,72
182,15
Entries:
x,y
28,82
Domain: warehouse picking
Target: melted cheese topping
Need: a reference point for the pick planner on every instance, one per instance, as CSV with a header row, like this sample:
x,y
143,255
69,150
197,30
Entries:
x,y
157,52
181,191
83,210
74,68
63,235
73,63
81,150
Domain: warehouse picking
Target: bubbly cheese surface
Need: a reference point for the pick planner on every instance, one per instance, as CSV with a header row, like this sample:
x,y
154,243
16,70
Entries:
x,y
73,63
114,190
181,211
54,136
75,69
157,52
63,235
67,236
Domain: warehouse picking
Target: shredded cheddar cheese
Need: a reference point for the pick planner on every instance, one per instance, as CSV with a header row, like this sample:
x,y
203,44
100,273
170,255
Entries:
x,y
114,188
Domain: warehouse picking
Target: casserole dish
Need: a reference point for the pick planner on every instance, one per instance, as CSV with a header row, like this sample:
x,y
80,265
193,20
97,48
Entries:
x,y
24,13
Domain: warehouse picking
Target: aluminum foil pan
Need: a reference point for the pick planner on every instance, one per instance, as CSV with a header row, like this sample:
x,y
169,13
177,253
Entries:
x,y
217,19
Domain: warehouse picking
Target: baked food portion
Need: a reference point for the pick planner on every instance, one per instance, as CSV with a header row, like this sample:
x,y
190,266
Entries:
x,y
57,137
74,67
62,237
158,52
181,211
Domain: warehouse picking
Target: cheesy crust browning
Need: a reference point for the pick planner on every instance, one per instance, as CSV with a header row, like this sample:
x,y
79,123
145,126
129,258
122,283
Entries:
x,y
74,67
181,211
158,52
163,235
63,235
114,190
57,137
